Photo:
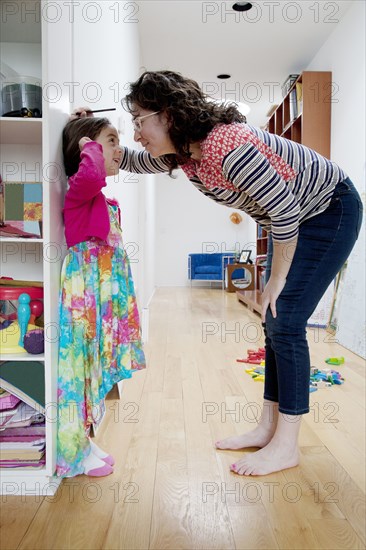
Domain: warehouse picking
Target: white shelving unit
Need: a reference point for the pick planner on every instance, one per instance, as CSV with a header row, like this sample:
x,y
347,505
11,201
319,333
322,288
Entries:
x,y
20,131
29,147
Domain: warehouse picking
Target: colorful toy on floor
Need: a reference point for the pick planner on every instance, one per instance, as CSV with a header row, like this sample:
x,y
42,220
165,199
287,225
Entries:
x,y
335,360
319,378
254,357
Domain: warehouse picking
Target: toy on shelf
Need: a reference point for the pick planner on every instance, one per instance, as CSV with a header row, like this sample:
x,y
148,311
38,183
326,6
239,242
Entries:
x,y
24,313
21,309
34,341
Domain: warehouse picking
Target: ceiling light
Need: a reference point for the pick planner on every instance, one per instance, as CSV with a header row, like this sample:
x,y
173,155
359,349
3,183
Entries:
x,y
242,6
223,76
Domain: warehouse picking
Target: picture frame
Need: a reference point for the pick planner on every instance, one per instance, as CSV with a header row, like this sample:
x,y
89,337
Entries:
x,y
244,257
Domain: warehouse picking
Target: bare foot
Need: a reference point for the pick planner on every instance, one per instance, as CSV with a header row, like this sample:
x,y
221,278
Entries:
x,y
272,458
259,437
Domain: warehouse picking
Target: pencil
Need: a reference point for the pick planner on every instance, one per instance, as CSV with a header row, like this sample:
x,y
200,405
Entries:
x,y
102,110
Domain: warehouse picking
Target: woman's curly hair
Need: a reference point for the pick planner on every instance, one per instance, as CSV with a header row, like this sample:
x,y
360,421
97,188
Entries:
x,y
191,114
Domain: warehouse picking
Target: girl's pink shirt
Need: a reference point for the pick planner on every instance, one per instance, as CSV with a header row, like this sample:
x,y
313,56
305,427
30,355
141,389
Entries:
x,y
85,209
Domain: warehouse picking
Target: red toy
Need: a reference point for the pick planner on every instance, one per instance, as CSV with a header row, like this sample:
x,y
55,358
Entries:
x,y
254,357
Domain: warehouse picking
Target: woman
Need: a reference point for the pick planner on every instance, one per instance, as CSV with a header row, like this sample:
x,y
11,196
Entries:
x,y
307,204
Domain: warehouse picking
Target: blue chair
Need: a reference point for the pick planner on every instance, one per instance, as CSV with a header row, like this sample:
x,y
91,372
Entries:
x,y
209,267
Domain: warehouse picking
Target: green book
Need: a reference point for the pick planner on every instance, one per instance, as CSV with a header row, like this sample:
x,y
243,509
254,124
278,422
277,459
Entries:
x,y
25,380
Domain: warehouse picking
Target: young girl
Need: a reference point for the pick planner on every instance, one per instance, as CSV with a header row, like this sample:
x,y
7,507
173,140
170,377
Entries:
x,y
100,342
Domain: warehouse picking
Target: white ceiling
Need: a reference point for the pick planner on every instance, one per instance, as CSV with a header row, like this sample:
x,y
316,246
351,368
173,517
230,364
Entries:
x,y
259,48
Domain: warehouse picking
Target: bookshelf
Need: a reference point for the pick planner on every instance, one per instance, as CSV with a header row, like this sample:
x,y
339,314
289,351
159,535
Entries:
x,y
31,152
304,116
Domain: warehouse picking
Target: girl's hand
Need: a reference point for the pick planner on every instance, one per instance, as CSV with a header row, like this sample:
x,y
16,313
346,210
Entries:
x,y
81,112
270,294
83,141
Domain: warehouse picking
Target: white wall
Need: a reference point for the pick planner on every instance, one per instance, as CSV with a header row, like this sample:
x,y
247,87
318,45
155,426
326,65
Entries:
x,y
187,221
106,58
22,58
344,54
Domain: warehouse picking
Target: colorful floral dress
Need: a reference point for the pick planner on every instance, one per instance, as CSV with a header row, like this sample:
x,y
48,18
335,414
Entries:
x,y
100,340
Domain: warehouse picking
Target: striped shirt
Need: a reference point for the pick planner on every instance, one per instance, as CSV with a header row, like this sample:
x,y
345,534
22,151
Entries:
x,y
278,182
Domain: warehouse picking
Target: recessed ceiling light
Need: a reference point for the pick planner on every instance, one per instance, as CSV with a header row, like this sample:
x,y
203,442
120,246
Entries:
x,y
223,76
242,6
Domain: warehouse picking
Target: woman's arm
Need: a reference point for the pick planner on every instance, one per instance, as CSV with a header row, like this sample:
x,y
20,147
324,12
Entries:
x,y
283,253
141,162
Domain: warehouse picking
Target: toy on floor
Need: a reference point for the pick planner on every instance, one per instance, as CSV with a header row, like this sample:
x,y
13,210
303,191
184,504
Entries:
x,y
319,378
335,360
325,377
254,357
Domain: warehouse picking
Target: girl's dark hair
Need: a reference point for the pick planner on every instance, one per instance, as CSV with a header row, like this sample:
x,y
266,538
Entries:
x,y
73,132
191,114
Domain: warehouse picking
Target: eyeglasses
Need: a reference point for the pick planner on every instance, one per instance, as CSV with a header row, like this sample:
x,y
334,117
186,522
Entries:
x,y
137,122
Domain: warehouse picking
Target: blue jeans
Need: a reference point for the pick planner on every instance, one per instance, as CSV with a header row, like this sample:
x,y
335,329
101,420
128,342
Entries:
x,y
324,244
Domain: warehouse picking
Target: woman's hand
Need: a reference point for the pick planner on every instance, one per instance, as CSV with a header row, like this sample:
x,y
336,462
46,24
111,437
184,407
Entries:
x,y
81,112
283,253
83,141
270,294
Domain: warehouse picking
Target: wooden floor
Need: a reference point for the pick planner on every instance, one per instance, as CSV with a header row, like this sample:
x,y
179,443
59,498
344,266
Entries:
x,y
171,489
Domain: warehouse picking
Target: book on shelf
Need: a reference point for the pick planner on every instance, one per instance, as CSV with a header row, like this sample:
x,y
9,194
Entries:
x,y
261,260
25,380
261,279
261,233
286,86
293,105
299,103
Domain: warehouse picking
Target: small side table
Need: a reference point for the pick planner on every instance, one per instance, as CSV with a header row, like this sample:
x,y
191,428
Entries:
x,y
239,277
